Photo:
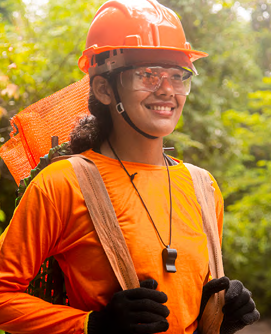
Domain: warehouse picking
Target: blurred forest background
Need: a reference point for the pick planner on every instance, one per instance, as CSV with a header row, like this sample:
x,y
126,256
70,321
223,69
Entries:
x,y
226,124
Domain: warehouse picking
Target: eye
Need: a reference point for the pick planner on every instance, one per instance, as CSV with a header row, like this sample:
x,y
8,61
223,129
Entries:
x,y
177,77
147,76
186,75
144,74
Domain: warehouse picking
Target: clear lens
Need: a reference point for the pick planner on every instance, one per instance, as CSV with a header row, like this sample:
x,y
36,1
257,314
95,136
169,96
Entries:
x,y
150,79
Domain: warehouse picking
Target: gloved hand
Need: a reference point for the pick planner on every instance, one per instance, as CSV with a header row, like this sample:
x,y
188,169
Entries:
x,y
212,287
134,311
239,309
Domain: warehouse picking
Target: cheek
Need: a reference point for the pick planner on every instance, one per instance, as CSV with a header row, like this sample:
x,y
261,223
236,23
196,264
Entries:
x,y
181,100
131,99
139,97
134,100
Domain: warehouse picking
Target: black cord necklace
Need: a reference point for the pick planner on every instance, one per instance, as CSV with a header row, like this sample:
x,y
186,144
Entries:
x,y
169,255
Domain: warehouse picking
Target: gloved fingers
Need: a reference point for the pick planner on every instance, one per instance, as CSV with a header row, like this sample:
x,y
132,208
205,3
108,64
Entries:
x,y
214,286
237,302
234,291
239,309
155,327
149,284
145,317
251,317
149,305
237,314
141,293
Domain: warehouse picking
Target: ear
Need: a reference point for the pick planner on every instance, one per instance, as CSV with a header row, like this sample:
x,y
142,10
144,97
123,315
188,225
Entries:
x,y
102,90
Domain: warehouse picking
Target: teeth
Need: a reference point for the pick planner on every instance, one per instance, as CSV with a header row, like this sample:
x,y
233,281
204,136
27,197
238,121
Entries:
x,y
160,108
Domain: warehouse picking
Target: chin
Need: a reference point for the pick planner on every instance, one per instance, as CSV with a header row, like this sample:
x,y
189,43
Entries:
x,y
161,132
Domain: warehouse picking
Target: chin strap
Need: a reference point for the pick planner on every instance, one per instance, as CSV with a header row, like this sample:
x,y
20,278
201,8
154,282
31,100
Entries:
x,y
121,111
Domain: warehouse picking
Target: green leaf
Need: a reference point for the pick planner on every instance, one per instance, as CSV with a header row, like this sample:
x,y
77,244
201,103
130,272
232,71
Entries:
x,y
2,216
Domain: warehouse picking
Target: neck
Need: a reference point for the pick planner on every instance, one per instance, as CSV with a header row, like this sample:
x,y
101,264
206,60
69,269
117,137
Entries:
x,y
140,149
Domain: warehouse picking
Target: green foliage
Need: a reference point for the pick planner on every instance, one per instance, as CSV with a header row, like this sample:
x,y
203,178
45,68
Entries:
x,y
39,50
2,219
247,189
2,216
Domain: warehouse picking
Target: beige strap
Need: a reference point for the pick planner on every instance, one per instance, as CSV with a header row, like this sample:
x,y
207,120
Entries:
x,y
104,220
205,196
212,316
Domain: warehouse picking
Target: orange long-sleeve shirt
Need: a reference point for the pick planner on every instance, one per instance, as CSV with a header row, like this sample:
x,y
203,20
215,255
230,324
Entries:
x,y
52,219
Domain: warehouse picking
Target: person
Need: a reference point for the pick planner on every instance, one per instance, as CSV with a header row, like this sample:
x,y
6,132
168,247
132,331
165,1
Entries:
x,y
140,67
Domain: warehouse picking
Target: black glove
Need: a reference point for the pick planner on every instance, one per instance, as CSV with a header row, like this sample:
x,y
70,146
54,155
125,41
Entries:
x,y
239,309
212,287
134,311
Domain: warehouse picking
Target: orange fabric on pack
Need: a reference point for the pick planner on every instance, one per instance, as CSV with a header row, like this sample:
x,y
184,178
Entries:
x,y
70,237
54,115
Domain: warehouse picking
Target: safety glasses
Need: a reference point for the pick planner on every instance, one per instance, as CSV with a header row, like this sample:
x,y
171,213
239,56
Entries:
x,y
150,78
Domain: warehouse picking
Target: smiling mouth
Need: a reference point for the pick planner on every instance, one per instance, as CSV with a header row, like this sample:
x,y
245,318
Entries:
x,y
160,108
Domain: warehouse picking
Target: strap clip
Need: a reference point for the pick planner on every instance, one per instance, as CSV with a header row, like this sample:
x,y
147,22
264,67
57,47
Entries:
x,y
120,108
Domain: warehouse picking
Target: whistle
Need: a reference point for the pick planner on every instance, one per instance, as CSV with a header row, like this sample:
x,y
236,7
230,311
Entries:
x,y
169,256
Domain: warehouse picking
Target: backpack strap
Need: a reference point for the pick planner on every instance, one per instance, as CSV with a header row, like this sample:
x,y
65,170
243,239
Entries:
x,y
205,196
212,316
104,219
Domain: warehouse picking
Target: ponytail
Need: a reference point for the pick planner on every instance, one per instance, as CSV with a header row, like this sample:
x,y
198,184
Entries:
x,y
92,130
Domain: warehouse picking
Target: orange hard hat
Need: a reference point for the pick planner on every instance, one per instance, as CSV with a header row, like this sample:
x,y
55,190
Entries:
x,y
134,31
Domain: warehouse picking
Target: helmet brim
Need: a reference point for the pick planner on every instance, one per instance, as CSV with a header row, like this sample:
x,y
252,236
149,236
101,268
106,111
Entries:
x,y
84,65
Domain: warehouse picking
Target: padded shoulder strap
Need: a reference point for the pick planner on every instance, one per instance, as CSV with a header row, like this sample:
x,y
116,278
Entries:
x,y
212,316
104,220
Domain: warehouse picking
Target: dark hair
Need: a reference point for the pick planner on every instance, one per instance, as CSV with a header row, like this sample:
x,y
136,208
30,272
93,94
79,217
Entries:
x,y
91,131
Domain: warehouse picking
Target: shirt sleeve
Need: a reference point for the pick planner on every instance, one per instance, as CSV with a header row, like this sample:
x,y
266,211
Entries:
x,y
32,236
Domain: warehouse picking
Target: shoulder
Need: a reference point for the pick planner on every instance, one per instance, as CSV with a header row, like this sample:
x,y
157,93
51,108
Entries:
x,y
56,179
216,186
207,175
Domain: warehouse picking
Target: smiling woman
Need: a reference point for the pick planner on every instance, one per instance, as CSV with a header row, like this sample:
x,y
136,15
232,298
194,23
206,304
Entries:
x,y
140,68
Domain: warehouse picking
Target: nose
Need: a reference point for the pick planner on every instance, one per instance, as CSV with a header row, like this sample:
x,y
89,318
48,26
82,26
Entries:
x,y
165,87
